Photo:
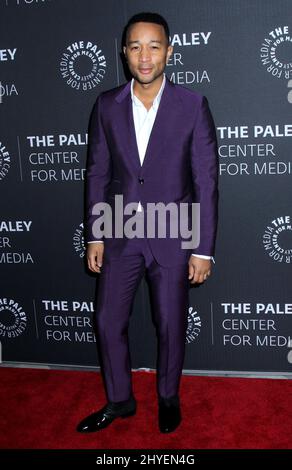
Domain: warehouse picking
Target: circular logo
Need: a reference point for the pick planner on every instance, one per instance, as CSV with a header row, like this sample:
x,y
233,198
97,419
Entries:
x,y
277,239
83,65
276,52
194,326
4,161
13,319
78,241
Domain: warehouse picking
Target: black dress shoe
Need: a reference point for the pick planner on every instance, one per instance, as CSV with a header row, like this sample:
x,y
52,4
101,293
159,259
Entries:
x,y
169,415
104,417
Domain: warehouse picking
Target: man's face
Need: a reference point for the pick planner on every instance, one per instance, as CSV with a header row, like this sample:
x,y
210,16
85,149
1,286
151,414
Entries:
x,y
147,51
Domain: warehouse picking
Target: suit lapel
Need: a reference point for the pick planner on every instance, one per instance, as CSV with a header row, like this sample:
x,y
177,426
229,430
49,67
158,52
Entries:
x,y
157,137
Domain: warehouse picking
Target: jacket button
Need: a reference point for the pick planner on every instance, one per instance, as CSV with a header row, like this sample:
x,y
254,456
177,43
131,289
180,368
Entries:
x,y
141,180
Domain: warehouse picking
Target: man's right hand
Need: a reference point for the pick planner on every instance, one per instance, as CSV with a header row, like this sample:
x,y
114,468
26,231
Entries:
x,y
95,256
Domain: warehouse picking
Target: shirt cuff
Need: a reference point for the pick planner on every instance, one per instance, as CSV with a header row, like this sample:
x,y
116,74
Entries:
x,y
204,257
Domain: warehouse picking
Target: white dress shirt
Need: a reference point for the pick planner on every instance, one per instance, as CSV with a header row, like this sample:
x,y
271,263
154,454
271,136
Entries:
x,y
143,121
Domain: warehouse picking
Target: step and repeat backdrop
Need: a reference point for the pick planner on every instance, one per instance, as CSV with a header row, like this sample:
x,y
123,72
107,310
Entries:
x,y
56,56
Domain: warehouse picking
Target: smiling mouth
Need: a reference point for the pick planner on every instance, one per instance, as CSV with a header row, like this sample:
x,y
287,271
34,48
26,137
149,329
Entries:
x,y
145,71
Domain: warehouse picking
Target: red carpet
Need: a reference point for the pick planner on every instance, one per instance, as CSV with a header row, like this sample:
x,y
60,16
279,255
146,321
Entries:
x,y
40,409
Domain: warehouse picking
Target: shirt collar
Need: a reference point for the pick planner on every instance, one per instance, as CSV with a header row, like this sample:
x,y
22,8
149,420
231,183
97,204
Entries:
x,y
157,98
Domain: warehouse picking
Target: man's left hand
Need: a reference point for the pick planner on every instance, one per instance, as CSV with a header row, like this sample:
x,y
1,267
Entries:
x,y
199,269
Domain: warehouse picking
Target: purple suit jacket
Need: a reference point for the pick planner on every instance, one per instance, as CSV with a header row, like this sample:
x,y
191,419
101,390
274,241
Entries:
x,y
180,164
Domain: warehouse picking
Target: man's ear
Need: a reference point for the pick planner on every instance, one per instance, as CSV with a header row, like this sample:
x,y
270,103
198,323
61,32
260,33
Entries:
x,y
169,52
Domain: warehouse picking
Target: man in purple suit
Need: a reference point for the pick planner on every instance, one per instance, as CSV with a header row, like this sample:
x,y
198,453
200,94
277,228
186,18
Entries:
x,y
150,142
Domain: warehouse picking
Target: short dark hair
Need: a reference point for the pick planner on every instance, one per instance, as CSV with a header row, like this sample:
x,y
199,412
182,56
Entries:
x,y
146,17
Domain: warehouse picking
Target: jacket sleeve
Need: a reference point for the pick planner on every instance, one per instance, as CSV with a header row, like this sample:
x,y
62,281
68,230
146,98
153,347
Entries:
x,y
98,169
204,163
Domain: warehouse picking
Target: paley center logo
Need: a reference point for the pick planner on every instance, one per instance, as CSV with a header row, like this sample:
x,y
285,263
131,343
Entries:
x,y
182,72
78,241
26,2
194,326
4,161
277,239
276,52
7,89
83,65
13,319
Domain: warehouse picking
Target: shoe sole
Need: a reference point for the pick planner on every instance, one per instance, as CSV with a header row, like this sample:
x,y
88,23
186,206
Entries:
x,y
127,415
171,429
